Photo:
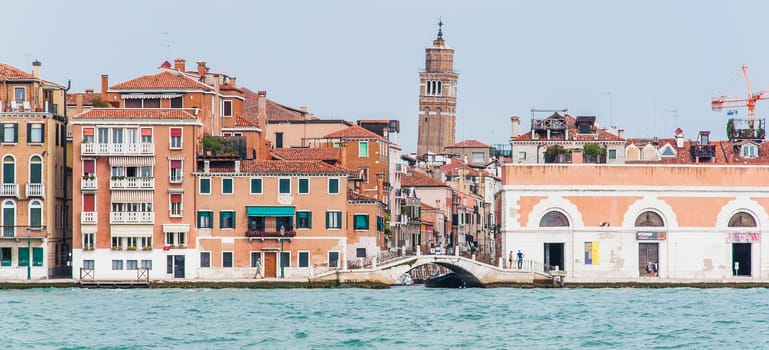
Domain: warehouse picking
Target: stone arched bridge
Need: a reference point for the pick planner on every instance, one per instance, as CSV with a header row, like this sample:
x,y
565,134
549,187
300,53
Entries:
x,y
472,272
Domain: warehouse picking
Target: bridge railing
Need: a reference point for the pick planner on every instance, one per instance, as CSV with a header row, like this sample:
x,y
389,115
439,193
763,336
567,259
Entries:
x,y
532,266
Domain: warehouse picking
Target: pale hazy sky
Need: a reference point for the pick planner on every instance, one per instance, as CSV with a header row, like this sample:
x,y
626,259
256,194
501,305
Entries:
x,y
629,63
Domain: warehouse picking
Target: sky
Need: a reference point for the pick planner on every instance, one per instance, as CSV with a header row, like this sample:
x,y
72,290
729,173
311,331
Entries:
x,y
647,67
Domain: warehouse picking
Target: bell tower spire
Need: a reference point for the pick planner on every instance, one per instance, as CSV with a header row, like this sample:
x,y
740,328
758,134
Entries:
x,y
437,97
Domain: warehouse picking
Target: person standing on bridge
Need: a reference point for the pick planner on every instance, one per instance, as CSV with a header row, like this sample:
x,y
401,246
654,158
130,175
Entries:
x,y
520,259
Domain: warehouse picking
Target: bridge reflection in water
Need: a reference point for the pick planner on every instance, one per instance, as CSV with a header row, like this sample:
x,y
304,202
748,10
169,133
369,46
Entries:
x,y
472,272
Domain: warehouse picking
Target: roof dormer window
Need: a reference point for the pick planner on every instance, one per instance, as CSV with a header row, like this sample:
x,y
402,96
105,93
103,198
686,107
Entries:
x,y
749,150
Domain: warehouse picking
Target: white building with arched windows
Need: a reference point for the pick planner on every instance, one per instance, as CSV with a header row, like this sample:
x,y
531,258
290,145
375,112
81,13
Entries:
x,y
608,223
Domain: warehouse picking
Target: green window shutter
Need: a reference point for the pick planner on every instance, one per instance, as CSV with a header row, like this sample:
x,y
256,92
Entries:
x,y
304,185
23,256
227,185
7,259
285,185
42,135
37,256
2,132
205,185
36,175
15,133
222,215
363,149
29,132
8,173
256,185
333,185
233,219
361,222
36,219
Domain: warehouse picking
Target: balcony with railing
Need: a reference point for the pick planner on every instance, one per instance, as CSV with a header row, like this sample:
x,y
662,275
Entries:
x,y
10,190
108,149
88,183
134,217
34,232
35,190
272,231
131,183
88,217
702,151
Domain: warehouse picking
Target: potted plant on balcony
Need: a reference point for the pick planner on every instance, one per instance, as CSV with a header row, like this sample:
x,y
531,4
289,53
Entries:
x,y
116,247
147,247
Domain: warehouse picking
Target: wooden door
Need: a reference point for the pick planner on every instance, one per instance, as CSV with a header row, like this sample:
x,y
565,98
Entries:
x,y
270,264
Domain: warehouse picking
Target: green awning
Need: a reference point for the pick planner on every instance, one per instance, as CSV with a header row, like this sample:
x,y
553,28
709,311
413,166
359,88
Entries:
x,y
269,211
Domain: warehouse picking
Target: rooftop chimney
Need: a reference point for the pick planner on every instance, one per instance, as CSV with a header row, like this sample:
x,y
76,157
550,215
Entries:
x,y
261,105
202,69
36,69
180,64
516,121
679,139
89,90
104,85
78,103
234,81
620,132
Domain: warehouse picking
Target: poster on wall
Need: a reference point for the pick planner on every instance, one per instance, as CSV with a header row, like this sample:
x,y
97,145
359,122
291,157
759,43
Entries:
x,y
651,236
591,253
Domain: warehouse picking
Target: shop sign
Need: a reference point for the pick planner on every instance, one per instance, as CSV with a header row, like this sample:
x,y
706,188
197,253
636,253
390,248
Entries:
x,y
743,237
651,236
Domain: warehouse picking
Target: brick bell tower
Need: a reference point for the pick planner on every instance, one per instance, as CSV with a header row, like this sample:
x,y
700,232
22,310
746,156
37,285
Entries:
x,y
437,98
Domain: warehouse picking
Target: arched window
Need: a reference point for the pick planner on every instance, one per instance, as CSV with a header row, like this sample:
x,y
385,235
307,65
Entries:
x,y
632,153
35,170
9,170
649,219
35,214
742,219
554,219
9,219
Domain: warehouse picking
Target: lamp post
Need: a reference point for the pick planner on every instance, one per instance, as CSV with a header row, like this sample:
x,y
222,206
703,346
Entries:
x,y
282,264
29,257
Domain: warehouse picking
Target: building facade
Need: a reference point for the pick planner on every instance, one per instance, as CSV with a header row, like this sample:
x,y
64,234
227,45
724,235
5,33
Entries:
x,y
36,192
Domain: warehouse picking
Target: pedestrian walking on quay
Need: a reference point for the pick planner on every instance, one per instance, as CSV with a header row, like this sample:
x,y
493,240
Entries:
x,y
510,260
258,269
520,259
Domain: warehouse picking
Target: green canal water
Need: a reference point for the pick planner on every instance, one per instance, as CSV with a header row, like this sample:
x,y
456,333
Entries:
x,y
397,318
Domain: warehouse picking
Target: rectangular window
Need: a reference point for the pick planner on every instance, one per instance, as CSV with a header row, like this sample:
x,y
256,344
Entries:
x,y
226,108
333,186
363,149
117,243
227,186
176,102
205,259
131,264
205,186
279,140
132,243
304,186
285,186
89,241
380,223
521,155
333,219
304,259
303,219
360,252
5,256
226,259
479,157
19,94
176,171
151,103
170,238
285,259
256,186
176,204
34,133
117,265
227,219
89,264
205,219
23,256
612,154
37,256
146,264
9,132
146,243
255,256
360,221
176,138
333,259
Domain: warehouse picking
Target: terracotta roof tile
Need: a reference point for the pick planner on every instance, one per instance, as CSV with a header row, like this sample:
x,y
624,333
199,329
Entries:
x,y
135,113
417,179
353,132
230,87
162,80
469,144
324,154
726,152
450,168
8,72
279,112
87,97
244,121
277,167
